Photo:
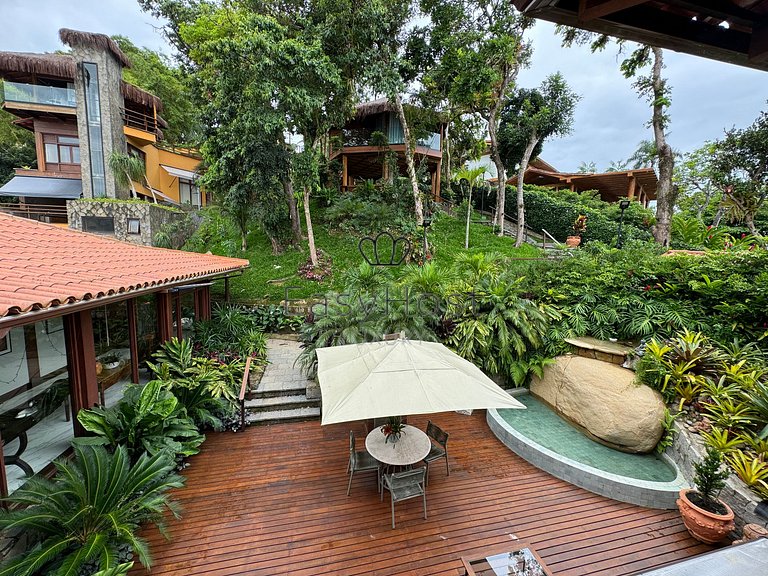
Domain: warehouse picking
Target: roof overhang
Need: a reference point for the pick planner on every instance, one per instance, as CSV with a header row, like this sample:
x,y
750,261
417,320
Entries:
x,y
733,32
40,187
180,173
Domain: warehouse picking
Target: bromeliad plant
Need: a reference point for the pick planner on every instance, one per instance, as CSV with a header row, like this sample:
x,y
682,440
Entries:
x,y
94,505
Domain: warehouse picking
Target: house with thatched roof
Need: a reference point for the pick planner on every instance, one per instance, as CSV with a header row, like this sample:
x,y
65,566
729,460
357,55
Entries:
x,y
371,146
82,113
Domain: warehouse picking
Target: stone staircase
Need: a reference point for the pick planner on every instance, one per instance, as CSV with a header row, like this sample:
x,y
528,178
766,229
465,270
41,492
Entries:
x,y
281,393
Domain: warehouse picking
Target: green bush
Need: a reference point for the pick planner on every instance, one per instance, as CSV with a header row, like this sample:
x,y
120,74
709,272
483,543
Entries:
x,y
231,333
371,208
555,211
148,419
94,505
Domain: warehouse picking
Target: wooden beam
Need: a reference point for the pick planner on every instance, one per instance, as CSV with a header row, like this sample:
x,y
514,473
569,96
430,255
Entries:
x,y
133,339
631,188
592,9
164,317
438,196
31,353
81,364
758,45
344,172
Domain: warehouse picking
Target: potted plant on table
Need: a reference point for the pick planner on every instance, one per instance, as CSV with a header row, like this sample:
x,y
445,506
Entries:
x,y
579,227
111,360
707,518
393,429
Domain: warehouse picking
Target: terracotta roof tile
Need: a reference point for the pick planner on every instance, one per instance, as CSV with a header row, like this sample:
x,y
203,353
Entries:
x,y
42,266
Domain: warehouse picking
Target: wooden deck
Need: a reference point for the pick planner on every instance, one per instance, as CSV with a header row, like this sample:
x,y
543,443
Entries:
x,y
272,500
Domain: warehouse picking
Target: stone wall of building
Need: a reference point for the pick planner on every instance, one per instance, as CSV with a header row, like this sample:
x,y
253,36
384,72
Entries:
x,y
110,106
124,215
688,449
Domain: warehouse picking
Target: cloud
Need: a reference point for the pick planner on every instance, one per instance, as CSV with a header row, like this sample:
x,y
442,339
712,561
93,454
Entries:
x,y
610,121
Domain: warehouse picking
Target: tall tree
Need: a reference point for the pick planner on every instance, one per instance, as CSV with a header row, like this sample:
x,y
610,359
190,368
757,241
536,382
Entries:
x,y
530,117
469,178
656,90
696,178
17,147
741,161
479,50
155,73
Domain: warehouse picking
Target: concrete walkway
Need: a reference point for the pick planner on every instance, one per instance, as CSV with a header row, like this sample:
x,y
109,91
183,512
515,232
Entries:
x,y
281,374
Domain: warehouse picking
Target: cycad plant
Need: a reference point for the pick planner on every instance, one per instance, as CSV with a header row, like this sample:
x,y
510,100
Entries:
x,y
94,505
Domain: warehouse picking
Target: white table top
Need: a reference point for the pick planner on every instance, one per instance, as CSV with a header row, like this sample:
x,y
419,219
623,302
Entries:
x,y
413,446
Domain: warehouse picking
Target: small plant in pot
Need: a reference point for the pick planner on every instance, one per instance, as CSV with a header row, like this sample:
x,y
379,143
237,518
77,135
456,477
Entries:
x,y
111,360
707,518
579,227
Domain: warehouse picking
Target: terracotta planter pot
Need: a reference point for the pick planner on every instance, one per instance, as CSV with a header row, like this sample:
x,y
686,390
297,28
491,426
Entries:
x,y
573,241
704,526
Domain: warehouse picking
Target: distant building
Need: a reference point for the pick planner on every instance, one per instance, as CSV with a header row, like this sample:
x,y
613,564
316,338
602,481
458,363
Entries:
x,y
639,184
81,111
362,156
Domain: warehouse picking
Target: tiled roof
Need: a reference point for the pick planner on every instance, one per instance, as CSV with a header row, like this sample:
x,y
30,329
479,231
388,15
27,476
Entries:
x,y
42,265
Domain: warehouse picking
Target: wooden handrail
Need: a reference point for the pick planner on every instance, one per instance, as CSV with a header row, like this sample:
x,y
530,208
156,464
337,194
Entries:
x,y
243,388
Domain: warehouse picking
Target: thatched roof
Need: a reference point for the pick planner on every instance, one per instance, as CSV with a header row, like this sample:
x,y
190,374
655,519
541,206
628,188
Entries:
x,y
373,107
54,65
63,66
92,40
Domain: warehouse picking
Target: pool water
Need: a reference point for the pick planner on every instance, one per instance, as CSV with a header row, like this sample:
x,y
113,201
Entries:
x,y
540,424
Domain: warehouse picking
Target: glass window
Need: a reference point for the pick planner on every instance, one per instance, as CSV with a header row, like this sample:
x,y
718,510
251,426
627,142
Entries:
x,y
189,193
113,351
65,156
99,224
52,153
35,405
93,115
69,140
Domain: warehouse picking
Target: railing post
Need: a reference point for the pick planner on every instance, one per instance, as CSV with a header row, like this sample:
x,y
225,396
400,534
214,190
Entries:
x,y
241,397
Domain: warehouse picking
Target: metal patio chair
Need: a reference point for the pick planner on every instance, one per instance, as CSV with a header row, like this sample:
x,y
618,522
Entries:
x,y
406,485
359,461
437,434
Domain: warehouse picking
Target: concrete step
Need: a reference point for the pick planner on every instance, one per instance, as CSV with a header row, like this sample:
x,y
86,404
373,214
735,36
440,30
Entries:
x,y
295,390
271,403
278,416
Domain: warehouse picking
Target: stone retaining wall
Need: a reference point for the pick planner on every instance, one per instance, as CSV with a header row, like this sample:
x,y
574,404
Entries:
x,y
688,448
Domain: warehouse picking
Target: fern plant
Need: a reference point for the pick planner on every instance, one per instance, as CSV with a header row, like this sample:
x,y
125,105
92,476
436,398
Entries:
x,y
94,504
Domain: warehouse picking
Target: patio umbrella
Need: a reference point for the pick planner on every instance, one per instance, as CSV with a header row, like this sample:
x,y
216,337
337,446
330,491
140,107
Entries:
x,y
401,377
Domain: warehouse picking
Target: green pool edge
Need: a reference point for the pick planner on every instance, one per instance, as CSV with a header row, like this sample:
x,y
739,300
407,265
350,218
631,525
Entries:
x,y
648,493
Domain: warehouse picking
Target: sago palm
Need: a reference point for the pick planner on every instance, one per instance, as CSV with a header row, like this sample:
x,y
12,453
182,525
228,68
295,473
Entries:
x,y
95,504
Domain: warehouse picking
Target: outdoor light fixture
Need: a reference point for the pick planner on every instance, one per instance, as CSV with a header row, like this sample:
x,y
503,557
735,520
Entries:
x,y
623,205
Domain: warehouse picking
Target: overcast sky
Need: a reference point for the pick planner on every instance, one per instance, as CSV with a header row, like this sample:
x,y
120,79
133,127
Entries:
x,y
707,96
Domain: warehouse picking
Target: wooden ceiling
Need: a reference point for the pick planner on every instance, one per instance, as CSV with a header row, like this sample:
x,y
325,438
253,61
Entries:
x,y
734,31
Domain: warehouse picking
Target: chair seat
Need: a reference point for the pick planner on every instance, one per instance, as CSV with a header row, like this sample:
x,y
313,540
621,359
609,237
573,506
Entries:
x,y
404,492
365,461
435,453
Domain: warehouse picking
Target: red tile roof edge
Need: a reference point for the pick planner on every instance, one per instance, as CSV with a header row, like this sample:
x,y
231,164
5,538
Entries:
x,y
32,250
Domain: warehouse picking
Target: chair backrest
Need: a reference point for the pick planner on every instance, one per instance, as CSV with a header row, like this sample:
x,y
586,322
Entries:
x,y
352,452
437,434
407,478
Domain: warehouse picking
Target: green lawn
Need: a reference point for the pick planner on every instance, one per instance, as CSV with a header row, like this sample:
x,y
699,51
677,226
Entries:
x,y
270,275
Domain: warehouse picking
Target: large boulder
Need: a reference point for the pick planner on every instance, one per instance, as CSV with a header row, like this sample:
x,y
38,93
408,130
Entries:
x,y
603,399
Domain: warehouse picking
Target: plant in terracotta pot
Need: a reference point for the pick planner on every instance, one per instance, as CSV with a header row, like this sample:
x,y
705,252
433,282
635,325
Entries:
x,y
707,518
579,227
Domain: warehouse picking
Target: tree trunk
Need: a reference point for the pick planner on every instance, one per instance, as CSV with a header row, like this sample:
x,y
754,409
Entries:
x,y
750,222
665,195
294,211
718,217
493,119
520,183
469,216
447,153
310,232
243,241
418,206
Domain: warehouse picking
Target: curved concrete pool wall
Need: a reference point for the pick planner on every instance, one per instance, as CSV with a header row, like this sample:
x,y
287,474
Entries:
x,y
640,492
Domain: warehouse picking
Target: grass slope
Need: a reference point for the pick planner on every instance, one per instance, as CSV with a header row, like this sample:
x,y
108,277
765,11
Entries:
x,y
270,276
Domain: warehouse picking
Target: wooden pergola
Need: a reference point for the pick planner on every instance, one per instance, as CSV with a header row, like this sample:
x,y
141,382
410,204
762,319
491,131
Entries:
x,y
733,31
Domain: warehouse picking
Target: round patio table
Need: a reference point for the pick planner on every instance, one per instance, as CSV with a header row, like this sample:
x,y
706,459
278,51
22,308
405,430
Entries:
x,y
413,446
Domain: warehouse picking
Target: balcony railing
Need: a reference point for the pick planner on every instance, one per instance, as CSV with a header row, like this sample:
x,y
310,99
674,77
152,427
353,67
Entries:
x,y
51,213
140,121
355,138
36,94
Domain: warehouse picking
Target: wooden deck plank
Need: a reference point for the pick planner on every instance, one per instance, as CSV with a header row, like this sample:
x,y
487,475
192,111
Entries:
x,y
272,500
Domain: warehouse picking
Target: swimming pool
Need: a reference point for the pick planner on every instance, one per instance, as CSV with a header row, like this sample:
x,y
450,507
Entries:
x,y
544,439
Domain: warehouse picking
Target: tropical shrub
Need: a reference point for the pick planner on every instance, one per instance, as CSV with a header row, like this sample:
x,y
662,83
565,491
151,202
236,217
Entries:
x,y
206,387
556,212
94,505
274,318
147,419
231,333
373,207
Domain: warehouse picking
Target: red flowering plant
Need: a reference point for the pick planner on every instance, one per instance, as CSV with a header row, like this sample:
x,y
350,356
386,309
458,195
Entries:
x,y
393,428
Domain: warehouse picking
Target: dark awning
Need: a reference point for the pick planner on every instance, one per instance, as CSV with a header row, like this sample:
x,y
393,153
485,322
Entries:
x,y
32,186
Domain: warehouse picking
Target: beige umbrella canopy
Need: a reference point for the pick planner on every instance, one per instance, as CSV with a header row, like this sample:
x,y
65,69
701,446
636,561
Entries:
x,y
401,377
